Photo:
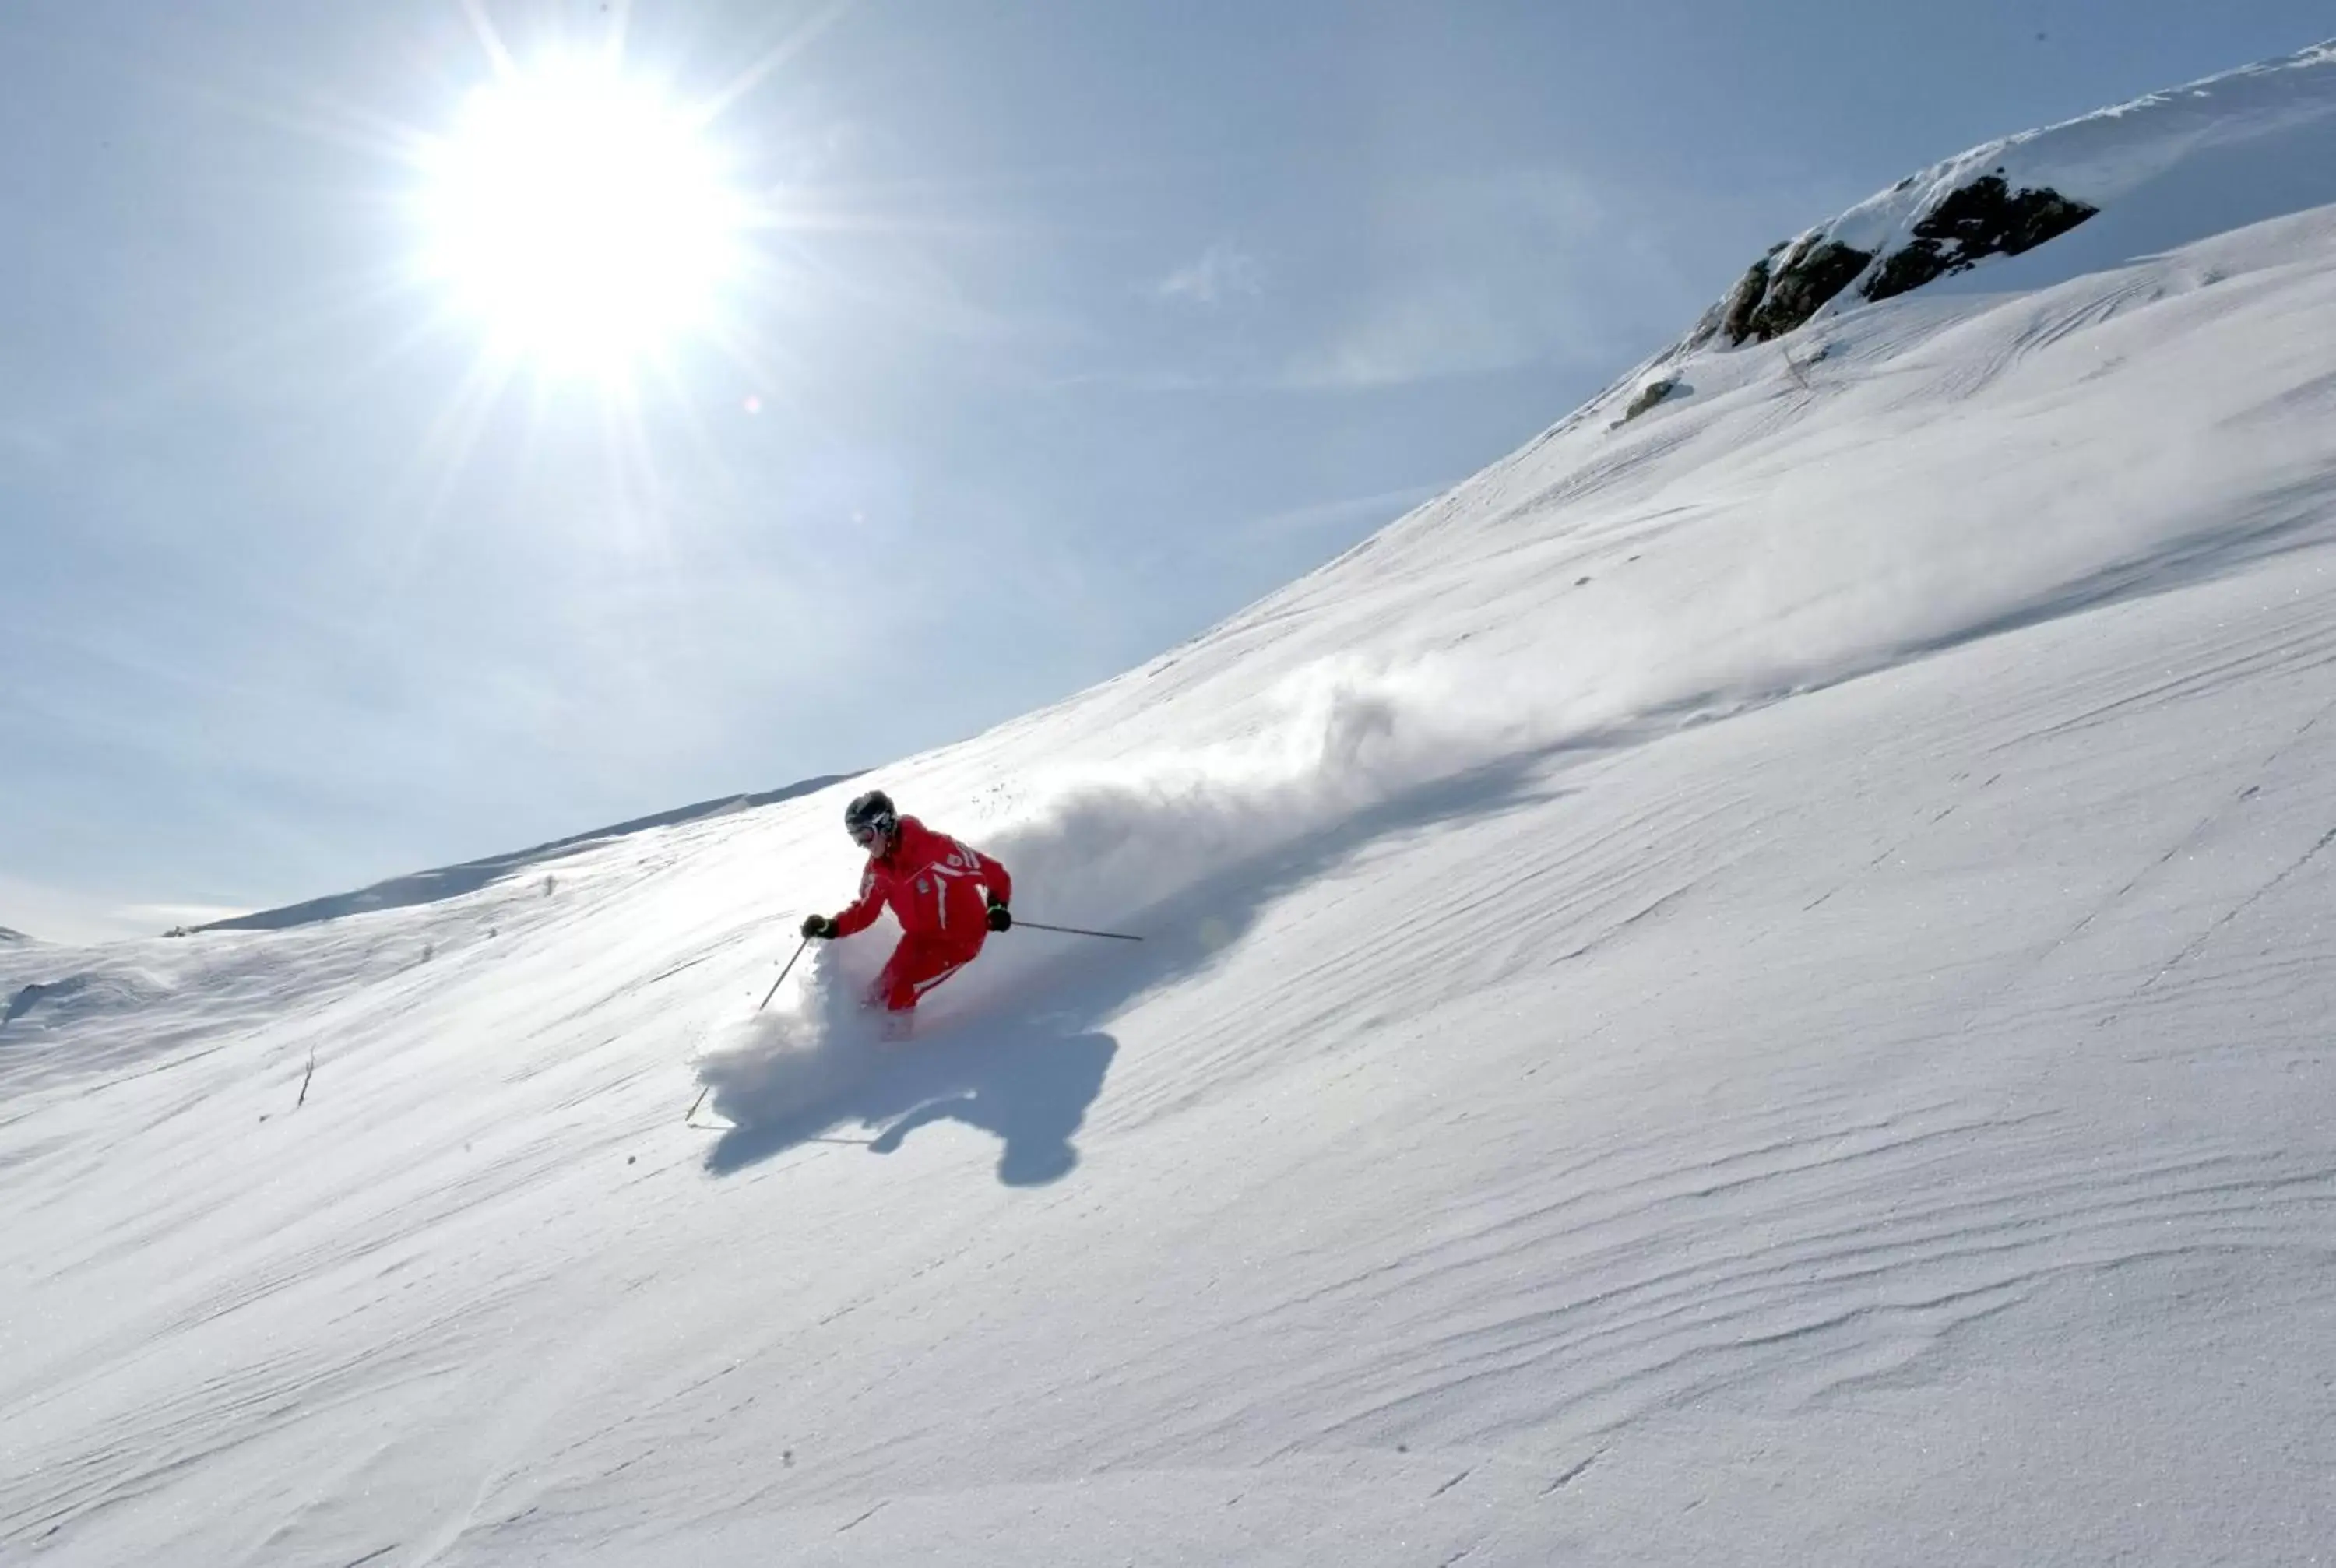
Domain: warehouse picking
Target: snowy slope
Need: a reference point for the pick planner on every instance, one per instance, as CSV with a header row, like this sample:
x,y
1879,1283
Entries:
x,y
1750,987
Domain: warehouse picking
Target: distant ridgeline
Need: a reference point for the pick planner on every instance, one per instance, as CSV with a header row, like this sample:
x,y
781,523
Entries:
x,y
453,882
8,936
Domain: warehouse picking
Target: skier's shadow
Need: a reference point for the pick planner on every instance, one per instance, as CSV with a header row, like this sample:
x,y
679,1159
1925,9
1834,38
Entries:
x,y
1028,1087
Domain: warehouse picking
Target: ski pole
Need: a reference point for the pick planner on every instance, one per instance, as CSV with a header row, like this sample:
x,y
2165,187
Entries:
x,y
1021,924
689,1117
783,977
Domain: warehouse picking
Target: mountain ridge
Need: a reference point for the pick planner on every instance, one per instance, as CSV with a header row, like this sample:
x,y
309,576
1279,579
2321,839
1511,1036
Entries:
x,y
468,876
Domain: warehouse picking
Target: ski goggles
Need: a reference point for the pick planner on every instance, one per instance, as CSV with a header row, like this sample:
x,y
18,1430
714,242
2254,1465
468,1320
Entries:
x,y
866,837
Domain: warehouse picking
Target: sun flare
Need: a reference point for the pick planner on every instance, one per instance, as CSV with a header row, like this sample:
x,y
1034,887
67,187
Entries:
x,y
580,218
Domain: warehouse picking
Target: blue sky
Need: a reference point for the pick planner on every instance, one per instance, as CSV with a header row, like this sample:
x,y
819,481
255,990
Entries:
x,y
1077,326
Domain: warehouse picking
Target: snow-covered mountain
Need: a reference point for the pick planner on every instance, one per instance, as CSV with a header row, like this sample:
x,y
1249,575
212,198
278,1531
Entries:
x,y
2164,171
430,887
1750,985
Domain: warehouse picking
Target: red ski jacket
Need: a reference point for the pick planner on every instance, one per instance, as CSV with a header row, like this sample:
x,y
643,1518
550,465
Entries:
x,y
933,883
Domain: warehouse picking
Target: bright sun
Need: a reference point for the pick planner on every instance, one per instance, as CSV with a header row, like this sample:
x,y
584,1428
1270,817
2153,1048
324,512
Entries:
x,y
581,217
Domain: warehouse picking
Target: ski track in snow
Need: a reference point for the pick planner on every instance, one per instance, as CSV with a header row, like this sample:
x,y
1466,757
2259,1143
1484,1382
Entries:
x,y
1748,984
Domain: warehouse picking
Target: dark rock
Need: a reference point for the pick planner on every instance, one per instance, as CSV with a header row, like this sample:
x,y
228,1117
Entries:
x,y
1735,311
1986,217
1786,286
1908,269
1652,393
1807,278
1733,315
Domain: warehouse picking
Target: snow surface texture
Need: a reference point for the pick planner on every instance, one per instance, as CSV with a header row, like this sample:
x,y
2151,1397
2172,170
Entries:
x,y
1748,987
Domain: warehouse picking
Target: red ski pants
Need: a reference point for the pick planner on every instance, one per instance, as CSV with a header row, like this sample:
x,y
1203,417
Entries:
x,y
919,964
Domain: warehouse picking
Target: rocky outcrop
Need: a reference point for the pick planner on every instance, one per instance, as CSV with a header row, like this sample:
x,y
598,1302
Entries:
x,y
1652,393
1782,290
1735,317
1806,276
1985,218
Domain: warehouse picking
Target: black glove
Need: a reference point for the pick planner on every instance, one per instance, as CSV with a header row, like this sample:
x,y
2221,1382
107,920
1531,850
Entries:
x,y
999,919
817,926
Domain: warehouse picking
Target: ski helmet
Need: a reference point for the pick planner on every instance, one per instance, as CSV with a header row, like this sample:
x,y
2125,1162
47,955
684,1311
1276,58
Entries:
x,y
871,813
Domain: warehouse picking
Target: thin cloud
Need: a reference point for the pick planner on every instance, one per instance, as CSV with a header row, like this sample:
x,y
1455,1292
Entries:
x,y
1223,272
1385,506
1486,273
31,442
56,914
1424,333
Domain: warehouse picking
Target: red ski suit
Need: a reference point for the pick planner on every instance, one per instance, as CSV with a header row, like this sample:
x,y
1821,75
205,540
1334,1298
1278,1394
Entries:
x,y
935,886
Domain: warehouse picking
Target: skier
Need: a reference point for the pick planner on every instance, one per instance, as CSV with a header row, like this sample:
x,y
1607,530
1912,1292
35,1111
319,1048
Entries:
x,y
948,899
